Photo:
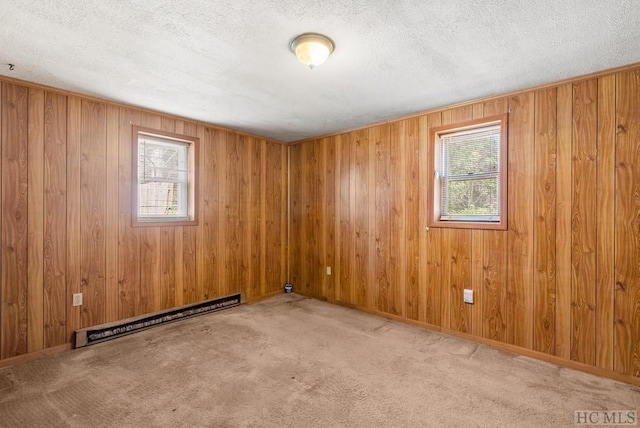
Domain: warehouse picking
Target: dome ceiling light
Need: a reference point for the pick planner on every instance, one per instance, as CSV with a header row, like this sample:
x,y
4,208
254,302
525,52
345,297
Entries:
x,y
312,49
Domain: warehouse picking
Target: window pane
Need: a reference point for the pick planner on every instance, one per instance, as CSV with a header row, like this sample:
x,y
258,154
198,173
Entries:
x,y
162,178
471,153
160,199
471,197
161,160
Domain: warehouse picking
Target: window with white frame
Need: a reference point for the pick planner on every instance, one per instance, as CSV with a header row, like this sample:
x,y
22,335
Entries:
x,y
468,171
164,173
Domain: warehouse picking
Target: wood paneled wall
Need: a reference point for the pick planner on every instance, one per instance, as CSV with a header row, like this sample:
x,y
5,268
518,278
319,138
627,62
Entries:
x,y
65,222
563,280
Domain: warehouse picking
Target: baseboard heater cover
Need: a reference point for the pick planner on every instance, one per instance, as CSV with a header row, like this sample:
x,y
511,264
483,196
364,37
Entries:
x,y
100,333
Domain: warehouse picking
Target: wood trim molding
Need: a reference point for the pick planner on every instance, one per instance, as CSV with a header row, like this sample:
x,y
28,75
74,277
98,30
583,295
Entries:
x,y
85,97
433,197
7,362
252,300
193,170
543,86
497,345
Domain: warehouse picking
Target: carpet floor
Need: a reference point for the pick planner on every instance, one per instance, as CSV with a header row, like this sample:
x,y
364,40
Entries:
x,y
291,361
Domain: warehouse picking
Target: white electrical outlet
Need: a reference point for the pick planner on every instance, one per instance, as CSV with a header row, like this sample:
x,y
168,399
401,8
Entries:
x,y
468,295
328,270
77,299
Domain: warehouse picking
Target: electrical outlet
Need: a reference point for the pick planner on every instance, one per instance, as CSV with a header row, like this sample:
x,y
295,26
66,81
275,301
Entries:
x,y
468,296
77,299
328,270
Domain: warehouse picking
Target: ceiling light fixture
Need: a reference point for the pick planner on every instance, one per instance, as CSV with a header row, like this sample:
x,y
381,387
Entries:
x,y
312,49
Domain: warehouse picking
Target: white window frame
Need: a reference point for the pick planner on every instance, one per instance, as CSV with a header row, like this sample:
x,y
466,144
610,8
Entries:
x,y
438,177
187,205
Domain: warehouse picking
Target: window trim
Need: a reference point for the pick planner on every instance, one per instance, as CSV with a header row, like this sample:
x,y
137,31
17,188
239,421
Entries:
x,y
192,182
433,197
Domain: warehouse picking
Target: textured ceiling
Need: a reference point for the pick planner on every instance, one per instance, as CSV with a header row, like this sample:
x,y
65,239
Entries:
x,y
228,62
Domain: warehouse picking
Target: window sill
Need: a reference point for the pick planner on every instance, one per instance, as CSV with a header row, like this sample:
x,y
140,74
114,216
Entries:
x,y
163,223
452,224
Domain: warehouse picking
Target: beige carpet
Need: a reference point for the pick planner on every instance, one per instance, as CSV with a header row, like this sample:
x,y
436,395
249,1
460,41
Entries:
x,y
298,362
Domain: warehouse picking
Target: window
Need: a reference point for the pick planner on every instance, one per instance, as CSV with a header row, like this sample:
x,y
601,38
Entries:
x,y
163,178
468,174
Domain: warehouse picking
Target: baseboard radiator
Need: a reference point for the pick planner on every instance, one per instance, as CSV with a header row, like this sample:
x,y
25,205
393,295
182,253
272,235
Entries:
x,y
100,333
